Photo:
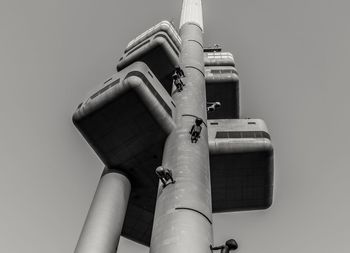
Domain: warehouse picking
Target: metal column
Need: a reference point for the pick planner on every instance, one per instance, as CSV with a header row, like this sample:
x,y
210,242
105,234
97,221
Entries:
x,y
183,215
105,218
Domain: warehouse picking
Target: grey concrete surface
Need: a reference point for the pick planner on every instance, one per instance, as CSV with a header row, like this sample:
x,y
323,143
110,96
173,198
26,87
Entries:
x,y
183,213
104,222
292,57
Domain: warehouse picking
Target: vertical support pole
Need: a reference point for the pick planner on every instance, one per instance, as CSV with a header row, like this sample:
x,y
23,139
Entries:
x,y
104,222
183,215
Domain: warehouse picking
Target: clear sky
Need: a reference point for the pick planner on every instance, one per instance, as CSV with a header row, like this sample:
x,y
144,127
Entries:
x,y
293,61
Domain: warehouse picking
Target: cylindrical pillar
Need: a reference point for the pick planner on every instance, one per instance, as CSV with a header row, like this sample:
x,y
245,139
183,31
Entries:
x,y
183,215
105,218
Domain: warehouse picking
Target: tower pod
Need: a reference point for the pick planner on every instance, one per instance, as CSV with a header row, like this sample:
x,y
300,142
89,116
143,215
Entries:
x,y
219,59
126,121
222,85
125,116
241,164
159,48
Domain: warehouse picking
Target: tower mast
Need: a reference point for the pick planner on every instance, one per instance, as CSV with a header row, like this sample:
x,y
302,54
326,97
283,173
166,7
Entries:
x,y
183,215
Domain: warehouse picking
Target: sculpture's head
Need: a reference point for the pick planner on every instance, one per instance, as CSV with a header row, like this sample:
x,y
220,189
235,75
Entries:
x,y
231,244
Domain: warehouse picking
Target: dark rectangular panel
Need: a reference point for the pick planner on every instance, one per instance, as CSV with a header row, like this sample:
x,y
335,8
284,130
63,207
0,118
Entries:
x,y
241,134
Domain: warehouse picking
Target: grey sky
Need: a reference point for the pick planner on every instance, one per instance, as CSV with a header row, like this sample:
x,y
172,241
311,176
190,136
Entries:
x,y
292,57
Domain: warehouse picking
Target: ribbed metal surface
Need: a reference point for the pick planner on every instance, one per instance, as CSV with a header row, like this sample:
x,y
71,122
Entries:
x,y
192,13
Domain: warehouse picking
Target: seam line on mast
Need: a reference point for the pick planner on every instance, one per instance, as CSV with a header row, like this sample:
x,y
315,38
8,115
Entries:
x,y
193,67
196,42
194,116
194,210
192,23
